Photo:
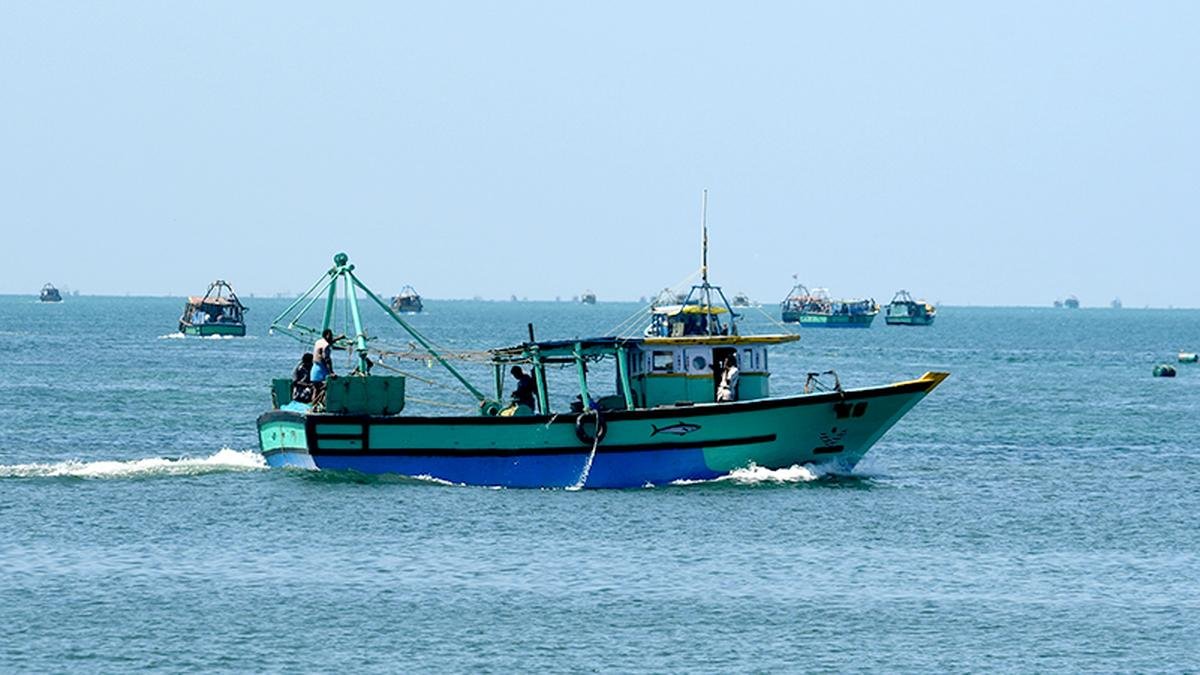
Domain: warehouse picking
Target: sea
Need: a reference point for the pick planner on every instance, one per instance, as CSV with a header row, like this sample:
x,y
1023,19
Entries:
x,y
1038,512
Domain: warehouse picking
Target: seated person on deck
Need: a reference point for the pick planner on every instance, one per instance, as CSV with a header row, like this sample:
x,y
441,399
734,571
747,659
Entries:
x,y
302,386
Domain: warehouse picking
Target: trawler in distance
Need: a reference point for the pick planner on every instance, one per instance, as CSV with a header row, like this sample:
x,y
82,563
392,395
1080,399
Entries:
x,y
218,312
50,294
816,308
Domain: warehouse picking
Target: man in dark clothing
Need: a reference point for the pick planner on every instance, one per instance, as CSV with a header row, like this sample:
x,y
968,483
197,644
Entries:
x,y
302,386
525,392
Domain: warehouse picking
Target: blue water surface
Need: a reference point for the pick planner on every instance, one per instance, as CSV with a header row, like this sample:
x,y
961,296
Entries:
x,y
1037,512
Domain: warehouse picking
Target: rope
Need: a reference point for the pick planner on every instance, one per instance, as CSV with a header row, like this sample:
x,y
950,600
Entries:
x,y
587,468
786,328
640,314
441,404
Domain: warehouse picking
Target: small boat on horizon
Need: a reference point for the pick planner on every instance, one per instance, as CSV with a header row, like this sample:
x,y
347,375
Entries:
x,y
408,301
588,298
904,311
1116,303
741,300
817,308
217,312
50,294
1071,302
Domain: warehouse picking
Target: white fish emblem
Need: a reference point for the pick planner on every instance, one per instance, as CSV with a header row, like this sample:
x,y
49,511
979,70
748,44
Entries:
x,y
677,429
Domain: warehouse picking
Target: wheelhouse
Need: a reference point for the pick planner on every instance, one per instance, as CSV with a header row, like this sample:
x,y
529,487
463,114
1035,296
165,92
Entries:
x,y
650,372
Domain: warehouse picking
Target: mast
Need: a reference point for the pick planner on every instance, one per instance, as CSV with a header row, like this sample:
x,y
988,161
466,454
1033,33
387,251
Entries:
x,y
704,237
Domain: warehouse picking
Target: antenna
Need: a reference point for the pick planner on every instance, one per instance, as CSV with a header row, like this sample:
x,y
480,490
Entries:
x,y
704,237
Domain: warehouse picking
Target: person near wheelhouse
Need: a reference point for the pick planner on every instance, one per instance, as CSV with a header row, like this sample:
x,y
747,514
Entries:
x,y
525,393
727,391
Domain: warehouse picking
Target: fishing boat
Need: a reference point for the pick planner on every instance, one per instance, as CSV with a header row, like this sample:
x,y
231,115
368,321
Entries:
x,y
588,298
1071,302
1116,303
660,424
408,301
816,308
50,294
904,311
668,296
217,312
742,300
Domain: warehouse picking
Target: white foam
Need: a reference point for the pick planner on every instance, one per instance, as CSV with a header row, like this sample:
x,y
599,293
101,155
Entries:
x,y
757,475
172,336
426,478
224,460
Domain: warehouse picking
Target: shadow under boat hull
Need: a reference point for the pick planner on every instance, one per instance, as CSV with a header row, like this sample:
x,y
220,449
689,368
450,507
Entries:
x,y
641,447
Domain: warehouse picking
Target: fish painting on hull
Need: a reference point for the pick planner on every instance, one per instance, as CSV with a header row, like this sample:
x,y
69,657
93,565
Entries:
x,y
677,429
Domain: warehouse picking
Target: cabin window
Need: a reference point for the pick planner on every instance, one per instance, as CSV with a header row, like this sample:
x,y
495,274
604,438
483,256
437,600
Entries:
x,y
663,361
748,360
699,363
765,367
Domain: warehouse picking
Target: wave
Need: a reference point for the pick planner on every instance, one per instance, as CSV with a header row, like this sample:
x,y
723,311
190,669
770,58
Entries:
x,y
223,461
757,475
181,336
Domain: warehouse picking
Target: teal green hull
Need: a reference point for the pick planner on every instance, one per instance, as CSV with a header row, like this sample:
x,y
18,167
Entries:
x,y
208,329
830,320
638,447
920,320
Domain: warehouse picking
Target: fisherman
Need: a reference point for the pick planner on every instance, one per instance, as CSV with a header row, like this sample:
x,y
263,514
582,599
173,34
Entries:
x,y
524,393
727,392
322,366
302,386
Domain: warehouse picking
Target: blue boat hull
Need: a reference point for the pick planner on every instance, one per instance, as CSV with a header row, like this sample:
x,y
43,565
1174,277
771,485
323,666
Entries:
x,y
520,471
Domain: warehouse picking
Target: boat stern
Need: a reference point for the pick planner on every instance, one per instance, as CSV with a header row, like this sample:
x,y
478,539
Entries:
x,y
283,441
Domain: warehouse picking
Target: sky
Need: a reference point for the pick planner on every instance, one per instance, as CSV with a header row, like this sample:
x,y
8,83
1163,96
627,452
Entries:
x,y
985,153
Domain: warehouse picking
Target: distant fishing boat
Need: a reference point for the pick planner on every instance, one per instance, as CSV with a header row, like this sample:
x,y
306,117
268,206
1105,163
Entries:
x,y
904,311
742,300
816,308
662,424
1116,303
667,297
50,294
588,298
217,312
1071,302
408,301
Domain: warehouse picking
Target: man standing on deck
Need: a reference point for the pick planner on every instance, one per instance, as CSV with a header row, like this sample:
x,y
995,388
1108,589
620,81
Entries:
x,y
524,394
322,366
727,392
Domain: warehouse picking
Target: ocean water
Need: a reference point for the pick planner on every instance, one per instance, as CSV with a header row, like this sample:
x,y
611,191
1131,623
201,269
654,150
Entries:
x,y
1036,512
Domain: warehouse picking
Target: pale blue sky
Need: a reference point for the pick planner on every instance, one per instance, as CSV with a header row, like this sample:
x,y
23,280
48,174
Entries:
x,y
998,153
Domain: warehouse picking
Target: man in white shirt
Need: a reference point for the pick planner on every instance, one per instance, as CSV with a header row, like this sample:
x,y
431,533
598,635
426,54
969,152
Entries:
x,y
727,391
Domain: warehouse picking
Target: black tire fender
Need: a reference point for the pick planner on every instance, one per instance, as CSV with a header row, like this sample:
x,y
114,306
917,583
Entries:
x,y
581,432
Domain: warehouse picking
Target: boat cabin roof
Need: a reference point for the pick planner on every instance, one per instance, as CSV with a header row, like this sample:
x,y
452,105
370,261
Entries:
x,y
211,300
565,351
674,310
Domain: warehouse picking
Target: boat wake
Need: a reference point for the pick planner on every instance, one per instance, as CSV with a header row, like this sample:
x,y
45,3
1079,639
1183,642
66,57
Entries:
x,y
224,460
757,475
172,336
